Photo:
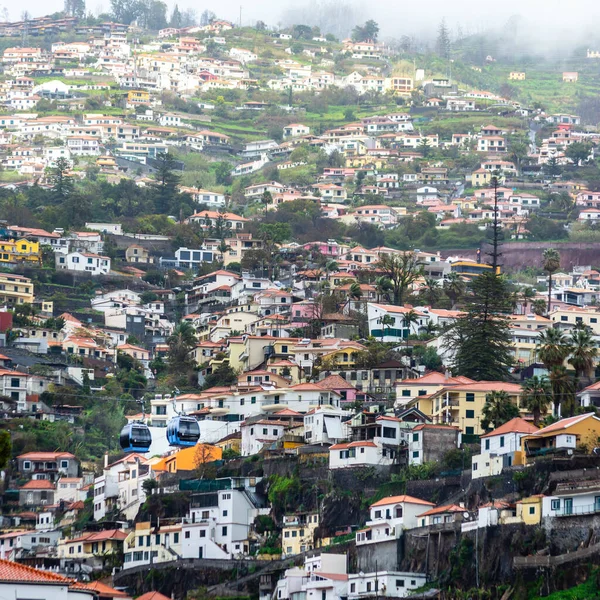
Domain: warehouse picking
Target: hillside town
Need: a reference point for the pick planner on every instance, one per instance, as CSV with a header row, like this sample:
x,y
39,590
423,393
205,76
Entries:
x,y
291,317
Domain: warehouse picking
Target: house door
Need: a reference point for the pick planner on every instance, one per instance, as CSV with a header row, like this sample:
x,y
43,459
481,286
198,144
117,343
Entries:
x,y
597,504
568,506
200,552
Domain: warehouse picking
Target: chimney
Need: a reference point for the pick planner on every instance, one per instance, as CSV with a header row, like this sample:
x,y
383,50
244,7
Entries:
x,y
105,460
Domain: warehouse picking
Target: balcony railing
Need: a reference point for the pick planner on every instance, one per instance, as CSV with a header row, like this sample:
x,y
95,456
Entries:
x,y
570,511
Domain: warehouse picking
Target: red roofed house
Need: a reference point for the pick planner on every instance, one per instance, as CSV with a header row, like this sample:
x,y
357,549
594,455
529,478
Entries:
x,y
37,492
93,546
152,596
440,514
52,464
389,517
498,448
358,454
564,436
20,581
430,442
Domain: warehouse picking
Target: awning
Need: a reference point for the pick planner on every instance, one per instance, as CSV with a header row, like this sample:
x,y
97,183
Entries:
x,y
334,428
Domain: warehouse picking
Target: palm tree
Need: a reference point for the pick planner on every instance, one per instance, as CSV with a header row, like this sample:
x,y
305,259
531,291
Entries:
x,y
553,348
498,409
538,307
386,322
551,264
181,342
454,287
266,199
222,248
432,290
355,293
583,353
408,320
563,392
536,397
384,287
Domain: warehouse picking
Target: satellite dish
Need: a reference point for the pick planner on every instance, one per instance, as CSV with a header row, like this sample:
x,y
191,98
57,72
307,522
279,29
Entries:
x,y
466,515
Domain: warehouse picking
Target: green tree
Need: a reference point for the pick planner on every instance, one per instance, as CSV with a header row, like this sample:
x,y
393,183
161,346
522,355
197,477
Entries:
x,y
61,181
536,397
5,448
551,264
553,348
223,375
538,306
454,287
552,167
481,339
442,43
181,342
165,188
498,409
583,353
402,270
368,31
578,152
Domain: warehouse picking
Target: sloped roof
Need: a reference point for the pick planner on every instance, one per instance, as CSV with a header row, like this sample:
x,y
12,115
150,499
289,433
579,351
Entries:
x,y
442,509
17,573
516,425
400,499
564,424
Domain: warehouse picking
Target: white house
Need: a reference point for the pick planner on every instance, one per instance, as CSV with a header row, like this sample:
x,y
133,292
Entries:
x,y
388,584
83,262
218,524
22,581
120,486
388,322
357,454
323,425
389,517
295,130
258,434
498,447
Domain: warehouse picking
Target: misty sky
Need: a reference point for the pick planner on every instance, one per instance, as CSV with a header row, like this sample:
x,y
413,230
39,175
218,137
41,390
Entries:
x,y
547,18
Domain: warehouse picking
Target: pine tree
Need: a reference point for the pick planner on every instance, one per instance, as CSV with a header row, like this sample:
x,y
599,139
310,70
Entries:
x,y
442,44
165,189
481,339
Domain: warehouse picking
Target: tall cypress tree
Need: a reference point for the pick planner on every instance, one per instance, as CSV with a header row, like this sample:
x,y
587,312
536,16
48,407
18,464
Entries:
x,y
481,339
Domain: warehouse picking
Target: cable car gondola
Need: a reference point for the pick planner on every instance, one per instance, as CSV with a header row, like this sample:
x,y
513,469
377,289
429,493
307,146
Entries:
x,y
183,431
135,437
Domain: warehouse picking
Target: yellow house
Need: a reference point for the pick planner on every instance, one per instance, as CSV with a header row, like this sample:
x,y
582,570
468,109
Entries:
x,y
563,437
481,177
89,545
297,534
249,351
529,510
233,441
164,542
465,204
462,405
23,250
15,289
344,357
517,76
138,97
188,459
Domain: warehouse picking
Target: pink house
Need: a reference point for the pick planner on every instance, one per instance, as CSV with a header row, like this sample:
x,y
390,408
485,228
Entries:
x,y
303,312
330,248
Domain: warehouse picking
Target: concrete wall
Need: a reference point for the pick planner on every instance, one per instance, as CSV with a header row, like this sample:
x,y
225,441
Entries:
x,y
379,557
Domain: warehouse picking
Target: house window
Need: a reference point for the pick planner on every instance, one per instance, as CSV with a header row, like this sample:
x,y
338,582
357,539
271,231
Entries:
x,y
532,510
501,441
406,393
187,535
415,437
224,531
470,397
487,444
26,465
470,414
416,454
469,430
555,504
399,583
15,382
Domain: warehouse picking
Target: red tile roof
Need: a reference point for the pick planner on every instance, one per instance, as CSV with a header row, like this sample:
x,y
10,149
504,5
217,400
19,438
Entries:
x,y
103,590
400,499
449,508
38,484
153,596
516,425
565,423
15,572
